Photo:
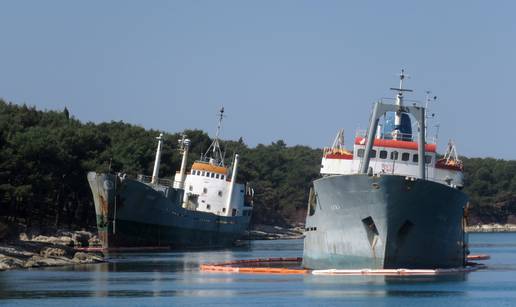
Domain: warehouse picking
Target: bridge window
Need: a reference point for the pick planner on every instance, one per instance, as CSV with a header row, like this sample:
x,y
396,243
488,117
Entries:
x,y
222,177
383,154
428,159
415,158
360,152
212,175
373,153
202,173
217,176
405,156
394,155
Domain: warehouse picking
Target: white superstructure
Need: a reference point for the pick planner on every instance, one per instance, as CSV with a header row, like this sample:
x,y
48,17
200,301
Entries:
x,y
210,186
393,152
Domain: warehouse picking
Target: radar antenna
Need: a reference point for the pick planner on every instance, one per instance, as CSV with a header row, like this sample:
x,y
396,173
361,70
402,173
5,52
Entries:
x,y
400,89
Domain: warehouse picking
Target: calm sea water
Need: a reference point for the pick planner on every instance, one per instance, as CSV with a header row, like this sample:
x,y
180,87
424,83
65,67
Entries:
x,y
173,278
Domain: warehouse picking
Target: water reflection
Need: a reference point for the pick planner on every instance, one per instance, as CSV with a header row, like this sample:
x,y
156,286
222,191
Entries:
x,y
175,277
381,286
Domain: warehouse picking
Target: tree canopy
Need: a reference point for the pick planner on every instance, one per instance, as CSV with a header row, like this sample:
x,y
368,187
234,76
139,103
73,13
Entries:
x,y
45,156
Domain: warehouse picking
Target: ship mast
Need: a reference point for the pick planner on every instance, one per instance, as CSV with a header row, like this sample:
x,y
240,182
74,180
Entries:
x,y
214,153
396,133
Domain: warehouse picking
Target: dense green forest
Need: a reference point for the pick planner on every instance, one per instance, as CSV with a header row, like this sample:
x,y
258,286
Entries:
x,y
45,155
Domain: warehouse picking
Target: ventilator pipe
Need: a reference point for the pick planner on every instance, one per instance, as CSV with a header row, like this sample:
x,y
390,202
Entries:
x,y
157,161
182,171
232,185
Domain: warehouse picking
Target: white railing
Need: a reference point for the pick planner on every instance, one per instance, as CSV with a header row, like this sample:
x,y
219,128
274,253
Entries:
x,y
401,136
161,181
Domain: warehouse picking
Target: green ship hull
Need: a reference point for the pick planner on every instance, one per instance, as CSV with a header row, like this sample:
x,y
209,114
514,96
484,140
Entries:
x,y
131,213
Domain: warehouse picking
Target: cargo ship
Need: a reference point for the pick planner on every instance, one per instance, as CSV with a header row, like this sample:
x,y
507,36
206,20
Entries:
x,y
391,202
203,208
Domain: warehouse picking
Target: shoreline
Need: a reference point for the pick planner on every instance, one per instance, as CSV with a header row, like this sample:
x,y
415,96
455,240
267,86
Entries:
x,y
46,251
60,249
491,228
270,232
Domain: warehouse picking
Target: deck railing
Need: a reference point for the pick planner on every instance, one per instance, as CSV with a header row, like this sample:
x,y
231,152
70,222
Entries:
x,y
401,136
161,181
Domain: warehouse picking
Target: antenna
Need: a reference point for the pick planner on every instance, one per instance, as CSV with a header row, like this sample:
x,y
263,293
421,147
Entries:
x,y
401,89
216,154
437,126
428,99
219,125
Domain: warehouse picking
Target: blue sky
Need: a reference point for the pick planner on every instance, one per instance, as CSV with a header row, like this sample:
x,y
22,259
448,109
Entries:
x,y
291,70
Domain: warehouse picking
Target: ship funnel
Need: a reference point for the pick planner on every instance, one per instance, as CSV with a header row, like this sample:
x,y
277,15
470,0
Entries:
x,y
157,161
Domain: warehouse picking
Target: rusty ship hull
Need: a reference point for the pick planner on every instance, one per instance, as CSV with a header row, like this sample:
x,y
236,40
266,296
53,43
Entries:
x,y
130,213
383,222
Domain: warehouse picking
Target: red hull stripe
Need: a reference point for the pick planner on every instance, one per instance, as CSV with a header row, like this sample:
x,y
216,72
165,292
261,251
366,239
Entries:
x,y
395,144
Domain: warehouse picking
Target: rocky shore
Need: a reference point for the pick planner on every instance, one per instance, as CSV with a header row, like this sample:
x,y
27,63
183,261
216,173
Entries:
x,y
269,232
28,251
